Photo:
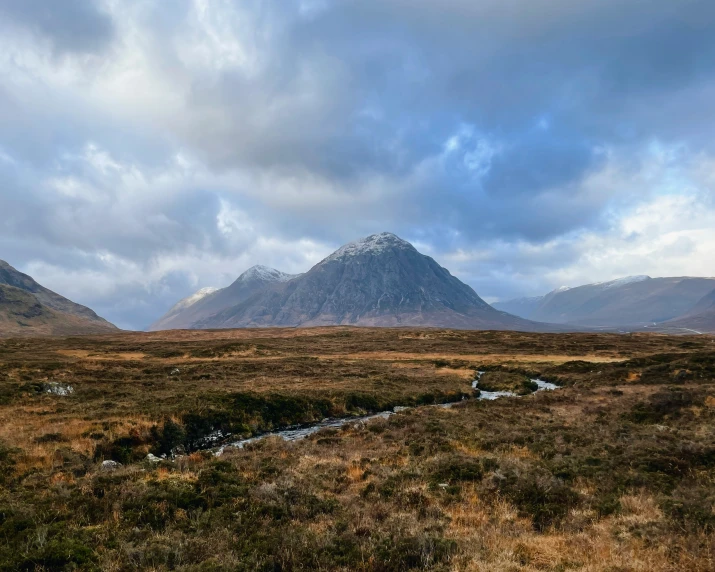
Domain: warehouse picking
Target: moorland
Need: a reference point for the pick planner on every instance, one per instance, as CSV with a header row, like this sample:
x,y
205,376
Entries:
x,y
615,470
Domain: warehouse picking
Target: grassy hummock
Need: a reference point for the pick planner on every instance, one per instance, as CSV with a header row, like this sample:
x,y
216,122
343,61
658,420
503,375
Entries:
x,y
516,383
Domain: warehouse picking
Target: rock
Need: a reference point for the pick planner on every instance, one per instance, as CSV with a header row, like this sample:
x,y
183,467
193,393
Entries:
x,y
152,458
110,465
56,388
175,371
178,451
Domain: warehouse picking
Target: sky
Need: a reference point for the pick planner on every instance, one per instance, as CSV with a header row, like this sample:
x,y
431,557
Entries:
x,y
152,148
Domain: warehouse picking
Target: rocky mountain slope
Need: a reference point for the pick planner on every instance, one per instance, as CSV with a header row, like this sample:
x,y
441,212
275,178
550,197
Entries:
x,y
27,308
380,280
208,301
627,302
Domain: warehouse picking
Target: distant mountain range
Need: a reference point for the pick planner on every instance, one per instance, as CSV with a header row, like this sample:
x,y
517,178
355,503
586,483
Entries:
x,y
27,308
380,280
634,302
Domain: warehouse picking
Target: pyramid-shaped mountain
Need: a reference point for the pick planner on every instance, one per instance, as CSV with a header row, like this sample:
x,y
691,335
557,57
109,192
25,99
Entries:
x,y
380,280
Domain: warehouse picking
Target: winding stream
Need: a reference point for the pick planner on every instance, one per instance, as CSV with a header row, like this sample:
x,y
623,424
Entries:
x,y
491,395
297,433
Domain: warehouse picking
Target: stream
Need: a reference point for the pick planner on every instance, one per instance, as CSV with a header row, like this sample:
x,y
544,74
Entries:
x,y
297,433
491,395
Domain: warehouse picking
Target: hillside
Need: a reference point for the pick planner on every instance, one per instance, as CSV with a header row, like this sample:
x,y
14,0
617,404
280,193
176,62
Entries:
x,y
701,318
627,302
28,308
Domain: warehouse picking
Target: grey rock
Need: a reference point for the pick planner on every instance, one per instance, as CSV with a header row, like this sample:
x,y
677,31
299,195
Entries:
x,y
60,389
110,465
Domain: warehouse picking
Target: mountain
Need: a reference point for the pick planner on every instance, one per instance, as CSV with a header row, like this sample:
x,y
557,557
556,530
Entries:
x,y
524,307
380,280
27,308
700,318
208,301
175,312
633,301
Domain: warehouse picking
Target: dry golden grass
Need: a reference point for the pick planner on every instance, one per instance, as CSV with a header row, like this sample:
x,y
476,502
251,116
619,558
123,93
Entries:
x,y
364,497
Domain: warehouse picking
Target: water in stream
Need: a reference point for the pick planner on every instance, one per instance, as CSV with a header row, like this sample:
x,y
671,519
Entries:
x,y
297,433
490,395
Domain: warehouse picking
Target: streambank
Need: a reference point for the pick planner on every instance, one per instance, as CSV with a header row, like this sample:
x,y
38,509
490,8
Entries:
x,y
298,433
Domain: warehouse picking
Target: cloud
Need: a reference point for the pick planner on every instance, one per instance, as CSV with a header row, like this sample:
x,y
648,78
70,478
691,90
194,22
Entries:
x,y
146,152
69,26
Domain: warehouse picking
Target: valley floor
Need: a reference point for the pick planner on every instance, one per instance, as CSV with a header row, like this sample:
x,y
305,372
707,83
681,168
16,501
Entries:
x,y
613,471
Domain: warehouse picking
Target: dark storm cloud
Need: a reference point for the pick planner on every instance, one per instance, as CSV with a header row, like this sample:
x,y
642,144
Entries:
x,y
396,78
465,125
71,25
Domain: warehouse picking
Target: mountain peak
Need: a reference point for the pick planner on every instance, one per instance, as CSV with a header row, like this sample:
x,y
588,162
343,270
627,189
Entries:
x,y
379,280
265,274
372,245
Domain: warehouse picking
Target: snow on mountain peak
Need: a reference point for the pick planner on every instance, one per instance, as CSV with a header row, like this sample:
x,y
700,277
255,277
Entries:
x,y
625,280
265,274
195,297
373,244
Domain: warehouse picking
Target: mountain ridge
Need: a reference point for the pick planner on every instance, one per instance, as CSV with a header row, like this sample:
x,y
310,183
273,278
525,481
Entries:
x,y
28,308
701,318
198,306
631,302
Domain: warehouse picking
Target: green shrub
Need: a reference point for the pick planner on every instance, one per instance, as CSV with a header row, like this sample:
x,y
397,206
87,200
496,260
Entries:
x,y
692,506
169,437
361,401
51,438
665,405
60,553
7,463
537,494
396,554
457,469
